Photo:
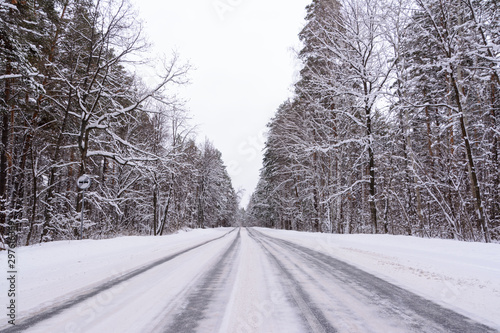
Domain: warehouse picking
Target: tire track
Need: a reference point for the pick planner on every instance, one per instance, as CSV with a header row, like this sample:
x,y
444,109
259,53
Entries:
x,y
312,315
418,313
55,309
193,311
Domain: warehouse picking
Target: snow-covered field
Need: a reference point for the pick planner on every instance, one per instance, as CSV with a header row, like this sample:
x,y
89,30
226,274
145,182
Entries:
x,y
464,277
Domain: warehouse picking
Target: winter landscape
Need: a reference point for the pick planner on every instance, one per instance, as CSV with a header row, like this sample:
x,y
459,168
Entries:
x,y
293,166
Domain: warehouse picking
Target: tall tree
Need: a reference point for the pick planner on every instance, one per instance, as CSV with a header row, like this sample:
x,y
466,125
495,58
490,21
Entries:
x,y
394,122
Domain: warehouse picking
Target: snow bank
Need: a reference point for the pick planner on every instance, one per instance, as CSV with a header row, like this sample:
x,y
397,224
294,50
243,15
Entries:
x,y
464,277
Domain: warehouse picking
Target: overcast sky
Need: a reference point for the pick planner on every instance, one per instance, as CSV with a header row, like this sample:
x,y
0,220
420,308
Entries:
x,y
243,52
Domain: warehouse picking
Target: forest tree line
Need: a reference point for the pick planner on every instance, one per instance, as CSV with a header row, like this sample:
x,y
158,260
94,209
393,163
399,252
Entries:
x,y
71,104
394,125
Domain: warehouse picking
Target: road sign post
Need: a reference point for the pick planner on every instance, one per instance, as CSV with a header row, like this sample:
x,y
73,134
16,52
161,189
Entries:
x,y
83,183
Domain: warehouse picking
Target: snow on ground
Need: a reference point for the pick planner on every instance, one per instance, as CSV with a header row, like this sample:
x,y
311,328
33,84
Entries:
x,y
464,277
461,276
140,304
258,299
49,271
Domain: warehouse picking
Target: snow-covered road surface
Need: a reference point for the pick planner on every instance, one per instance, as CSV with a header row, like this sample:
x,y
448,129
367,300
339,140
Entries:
x,y
337,297
223,280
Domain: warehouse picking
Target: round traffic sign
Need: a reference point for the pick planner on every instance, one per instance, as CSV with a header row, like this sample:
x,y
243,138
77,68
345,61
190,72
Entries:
x,y
84,182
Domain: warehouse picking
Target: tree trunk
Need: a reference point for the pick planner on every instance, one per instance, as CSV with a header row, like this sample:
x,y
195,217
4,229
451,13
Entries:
x,y
3,172
53,170
339,208
155,209
35,203
494,156
167,206
476,193
4,152
371,164
316,205
420,215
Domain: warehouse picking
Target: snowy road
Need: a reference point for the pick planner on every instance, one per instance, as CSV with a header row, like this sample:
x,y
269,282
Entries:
x,y
334,296
244,281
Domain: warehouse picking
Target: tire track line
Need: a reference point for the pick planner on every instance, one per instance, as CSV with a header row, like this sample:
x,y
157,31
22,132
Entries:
x,y
55,309
312,315
386,295
189,318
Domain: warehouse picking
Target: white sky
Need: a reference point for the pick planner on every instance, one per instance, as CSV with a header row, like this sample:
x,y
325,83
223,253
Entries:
x,y
243,52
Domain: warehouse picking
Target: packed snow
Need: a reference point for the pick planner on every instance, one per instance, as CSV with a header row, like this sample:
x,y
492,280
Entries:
x,y
461,276
464,277
50,271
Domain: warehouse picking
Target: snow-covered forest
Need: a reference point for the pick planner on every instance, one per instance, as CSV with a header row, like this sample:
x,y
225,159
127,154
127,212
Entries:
x,y
394,126
72,104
